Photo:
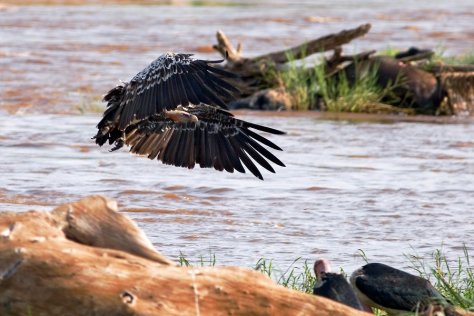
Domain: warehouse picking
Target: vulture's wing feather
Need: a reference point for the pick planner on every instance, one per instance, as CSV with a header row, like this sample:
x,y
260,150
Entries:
x,y
262,139
174,111
164,84
217,140
168,82
246,160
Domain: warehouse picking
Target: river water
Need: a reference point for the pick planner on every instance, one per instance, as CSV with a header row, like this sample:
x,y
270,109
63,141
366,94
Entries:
x,y
387,187
384,188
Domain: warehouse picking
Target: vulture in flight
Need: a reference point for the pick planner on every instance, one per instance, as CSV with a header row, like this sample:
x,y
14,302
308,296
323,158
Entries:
x,y
174,111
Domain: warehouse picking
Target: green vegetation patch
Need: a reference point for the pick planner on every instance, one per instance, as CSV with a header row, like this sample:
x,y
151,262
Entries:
x,y
453,278
311,88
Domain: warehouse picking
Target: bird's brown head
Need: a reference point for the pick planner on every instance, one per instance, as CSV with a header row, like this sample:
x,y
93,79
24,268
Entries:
x,y
321,267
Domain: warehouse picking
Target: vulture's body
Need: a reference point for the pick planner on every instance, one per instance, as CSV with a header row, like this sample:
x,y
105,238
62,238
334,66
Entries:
x,y
174,111
395,291
334,286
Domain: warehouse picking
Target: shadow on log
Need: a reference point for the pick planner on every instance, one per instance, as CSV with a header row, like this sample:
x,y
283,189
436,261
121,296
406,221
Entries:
x,y
85,258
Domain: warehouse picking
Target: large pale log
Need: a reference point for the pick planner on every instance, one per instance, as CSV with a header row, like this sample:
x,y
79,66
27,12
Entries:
x,y
51,264
61,279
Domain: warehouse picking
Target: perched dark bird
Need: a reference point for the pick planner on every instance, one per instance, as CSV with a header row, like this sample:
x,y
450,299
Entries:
x,y
334,286
412,51
395,291
175,111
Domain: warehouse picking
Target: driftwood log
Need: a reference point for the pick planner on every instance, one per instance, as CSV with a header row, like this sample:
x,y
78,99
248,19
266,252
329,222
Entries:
x,y
439,90
250,69
85,258
322,44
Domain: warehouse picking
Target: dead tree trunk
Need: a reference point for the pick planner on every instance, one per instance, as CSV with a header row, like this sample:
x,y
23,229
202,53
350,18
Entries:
x,y
246,66
250,69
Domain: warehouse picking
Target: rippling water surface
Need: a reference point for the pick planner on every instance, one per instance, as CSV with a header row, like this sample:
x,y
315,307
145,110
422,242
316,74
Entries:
x,y
382,187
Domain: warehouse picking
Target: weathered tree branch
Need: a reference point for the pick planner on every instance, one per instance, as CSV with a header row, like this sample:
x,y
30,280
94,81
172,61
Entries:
x,y
251,70
318,45
225,47
335,63
452,68
95,221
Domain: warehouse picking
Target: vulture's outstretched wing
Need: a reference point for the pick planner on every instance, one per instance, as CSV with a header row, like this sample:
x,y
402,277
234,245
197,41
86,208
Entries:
x,y
173,111
169,81
212,138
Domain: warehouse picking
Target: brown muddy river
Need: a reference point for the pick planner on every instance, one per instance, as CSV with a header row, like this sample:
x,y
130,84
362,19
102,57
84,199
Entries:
x,y
387,188
383,188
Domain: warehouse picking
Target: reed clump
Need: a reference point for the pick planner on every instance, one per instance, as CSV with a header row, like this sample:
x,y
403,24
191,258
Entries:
x,y
311,88
454,278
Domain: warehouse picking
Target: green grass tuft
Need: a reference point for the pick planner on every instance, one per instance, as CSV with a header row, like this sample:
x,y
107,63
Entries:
x,y
297,80
389,51
202,262
295,277
440,57
308,85
364,95
454,279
